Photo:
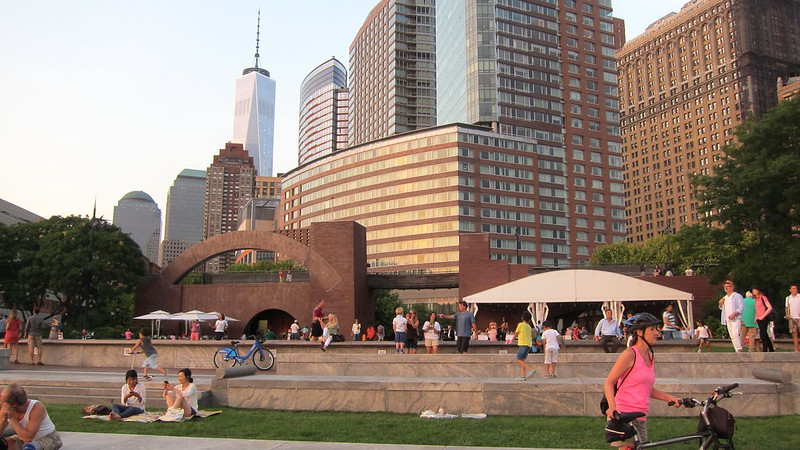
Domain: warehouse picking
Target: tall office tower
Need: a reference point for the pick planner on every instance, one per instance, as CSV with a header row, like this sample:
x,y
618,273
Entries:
x,y
183,224
393,71
324,111
686,83
547,73
230,180
254,113
138,215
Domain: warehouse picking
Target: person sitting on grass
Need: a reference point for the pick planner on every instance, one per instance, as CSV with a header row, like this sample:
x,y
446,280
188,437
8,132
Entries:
x,y
32,427
132,398
183,395
147,348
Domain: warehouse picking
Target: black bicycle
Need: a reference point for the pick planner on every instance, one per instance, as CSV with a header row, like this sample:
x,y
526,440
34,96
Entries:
x,y
714,430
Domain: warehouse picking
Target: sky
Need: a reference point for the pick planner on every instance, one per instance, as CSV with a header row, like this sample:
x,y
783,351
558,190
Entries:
x,y
99,98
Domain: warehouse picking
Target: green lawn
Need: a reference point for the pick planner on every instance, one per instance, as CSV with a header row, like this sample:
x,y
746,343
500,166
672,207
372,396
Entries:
x,y
498,431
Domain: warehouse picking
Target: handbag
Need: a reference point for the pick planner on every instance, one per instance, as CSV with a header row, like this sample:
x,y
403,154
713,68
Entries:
x,y
772,316
604,400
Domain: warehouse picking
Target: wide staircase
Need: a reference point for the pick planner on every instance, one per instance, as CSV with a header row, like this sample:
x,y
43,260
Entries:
x,y
484,383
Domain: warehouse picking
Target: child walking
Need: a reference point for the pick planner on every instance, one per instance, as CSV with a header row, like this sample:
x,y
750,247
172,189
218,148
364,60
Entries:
x,y
704,335
551,347
524,342
149,351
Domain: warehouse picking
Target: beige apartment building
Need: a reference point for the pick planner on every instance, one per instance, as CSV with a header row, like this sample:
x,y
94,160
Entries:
x,y
686,83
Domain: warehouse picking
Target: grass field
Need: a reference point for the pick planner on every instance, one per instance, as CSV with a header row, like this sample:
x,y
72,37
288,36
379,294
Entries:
x,y
498,431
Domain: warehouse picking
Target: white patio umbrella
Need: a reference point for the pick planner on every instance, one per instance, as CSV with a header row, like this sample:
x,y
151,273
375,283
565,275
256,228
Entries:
x,y
228,318
156,317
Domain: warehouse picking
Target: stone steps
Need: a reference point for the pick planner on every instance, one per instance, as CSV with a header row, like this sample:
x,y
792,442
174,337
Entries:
x,y
492,396
91,392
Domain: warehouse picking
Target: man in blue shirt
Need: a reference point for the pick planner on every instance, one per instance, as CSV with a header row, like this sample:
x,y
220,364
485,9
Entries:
x,y
465,326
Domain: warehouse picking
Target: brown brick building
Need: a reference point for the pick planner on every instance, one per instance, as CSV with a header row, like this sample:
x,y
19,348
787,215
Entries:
x,y
685,84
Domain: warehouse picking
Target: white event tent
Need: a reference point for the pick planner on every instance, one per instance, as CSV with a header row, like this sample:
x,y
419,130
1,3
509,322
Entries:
x,y
611,289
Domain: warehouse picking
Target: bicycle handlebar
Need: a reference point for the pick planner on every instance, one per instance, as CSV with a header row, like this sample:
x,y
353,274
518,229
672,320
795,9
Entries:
x,y
725,390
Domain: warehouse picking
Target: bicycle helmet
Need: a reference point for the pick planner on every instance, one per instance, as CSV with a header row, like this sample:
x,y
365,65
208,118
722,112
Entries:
x,y
617,430
641,321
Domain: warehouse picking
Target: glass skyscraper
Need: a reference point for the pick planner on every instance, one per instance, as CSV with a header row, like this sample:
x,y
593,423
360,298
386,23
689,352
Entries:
x,y
254,115
183,223
324,111
138,215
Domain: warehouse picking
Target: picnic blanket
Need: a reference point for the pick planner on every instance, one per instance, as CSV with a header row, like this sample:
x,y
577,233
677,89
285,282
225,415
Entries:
x,y
175,415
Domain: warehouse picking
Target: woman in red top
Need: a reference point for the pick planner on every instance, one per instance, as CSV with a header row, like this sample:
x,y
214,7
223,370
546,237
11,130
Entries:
x,y
763,308
13,325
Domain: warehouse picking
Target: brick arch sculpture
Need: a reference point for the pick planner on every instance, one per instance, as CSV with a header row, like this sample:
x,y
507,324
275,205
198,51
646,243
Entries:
x,y
333,252
251,239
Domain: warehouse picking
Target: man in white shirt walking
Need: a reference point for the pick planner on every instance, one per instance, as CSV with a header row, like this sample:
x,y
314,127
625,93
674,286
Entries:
x,y
732,305
793,314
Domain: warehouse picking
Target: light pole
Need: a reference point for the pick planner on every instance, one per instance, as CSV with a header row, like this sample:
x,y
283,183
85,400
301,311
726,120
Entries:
x,y
516,235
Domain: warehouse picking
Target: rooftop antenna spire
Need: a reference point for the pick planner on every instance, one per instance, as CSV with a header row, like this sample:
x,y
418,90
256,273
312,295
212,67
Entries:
x,y
258,36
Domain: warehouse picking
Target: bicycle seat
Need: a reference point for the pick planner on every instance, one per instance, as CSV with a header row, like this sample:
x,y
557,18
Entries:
x,y
628,416
234,342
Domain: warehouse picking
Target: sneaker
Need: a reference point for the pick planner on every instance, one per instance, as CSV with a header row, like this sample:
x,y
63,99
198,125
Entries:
x,y
520,378
322,348
530,373
148,377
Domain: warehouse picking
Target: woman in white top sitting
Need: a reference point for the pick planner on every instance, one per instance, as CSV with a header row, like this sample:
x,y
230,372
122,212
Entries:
x,y
132,397
183,395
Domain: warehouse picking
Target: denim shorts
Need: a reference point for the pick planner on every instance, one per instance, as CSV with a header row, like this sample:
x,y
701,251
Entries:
x,y
400,336
522,352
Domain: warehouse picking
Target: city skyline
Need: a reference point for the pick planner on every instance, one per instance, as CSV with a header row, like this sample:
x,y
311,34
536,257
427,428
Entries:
x,y
123,97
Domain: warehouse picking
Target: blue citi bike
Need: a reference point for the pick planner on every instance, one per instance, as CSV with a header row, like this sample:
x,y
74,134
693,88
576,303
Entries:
x,y
263,358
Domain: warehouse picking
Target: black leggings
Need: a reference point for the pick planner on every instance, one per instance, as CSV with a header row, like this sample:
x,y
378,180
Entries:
x,y
766,342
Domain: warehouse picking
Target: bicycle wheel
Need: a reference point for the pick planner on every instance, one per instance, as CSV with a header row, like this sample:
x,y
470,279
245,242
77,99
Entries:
x,y
264,359
224,357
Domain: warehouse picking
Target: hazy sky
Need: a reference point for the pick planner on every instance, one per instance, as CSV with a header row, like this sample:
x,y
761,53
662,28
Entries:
x,y
100,98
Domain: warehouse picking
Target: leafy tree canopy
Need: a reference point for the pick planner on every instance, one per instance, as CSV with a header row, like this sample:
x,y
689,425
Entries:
x,y
89,265
753,202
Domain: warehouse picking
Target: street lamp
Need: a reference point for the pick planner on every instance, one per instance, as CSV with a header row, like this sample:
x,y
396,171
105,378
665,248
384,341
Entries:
x,y
516,235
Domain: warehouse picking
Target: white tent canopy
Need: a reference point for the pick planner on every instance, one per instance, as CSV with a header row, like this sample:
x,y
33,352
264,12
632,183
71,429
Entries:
x,y
582,286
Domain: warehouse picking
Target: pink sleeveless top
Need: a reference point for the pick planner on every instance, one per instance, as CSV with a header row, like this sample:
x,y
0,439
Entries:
x,y
634,393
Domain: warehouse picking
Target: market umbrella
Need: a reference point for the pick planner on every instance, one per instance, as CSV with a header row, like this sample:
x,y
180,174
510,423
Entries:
x,y
156,317
190,316
228,318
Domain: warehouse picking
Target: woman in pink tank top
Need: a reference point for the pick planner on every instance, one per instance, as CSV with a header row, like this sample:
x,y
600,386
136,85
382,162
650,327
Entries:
x,y
629,385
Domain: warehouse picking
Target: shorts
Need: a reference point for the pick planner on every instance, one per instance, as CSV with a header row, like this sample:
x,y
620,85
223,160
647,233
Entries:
x,y
50,441
462,344
431,342
316,329
703,339
151,362
400,336
522,352
794,325
411,342
35,341
550,355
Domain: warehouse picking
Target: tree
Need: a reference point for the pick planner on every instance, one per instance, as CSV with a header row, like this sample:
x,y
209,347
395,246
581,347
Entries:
x,y
386,302
89,265
753,202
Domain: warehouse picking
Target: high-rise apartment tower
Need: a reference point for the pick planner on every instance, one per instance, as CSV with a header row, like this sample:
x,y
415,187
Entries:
x,y
543,70
393,71
230,181
686,83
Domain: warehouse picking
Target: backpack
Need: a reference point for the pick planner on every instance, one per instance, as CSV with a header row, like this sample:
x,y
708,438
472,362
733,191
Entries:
x,y
722,422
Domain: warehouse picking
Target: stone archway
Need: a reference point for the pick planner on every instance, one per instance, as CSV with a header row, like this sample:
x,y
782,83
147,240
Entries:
x,y
277,320
333,252
251,239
